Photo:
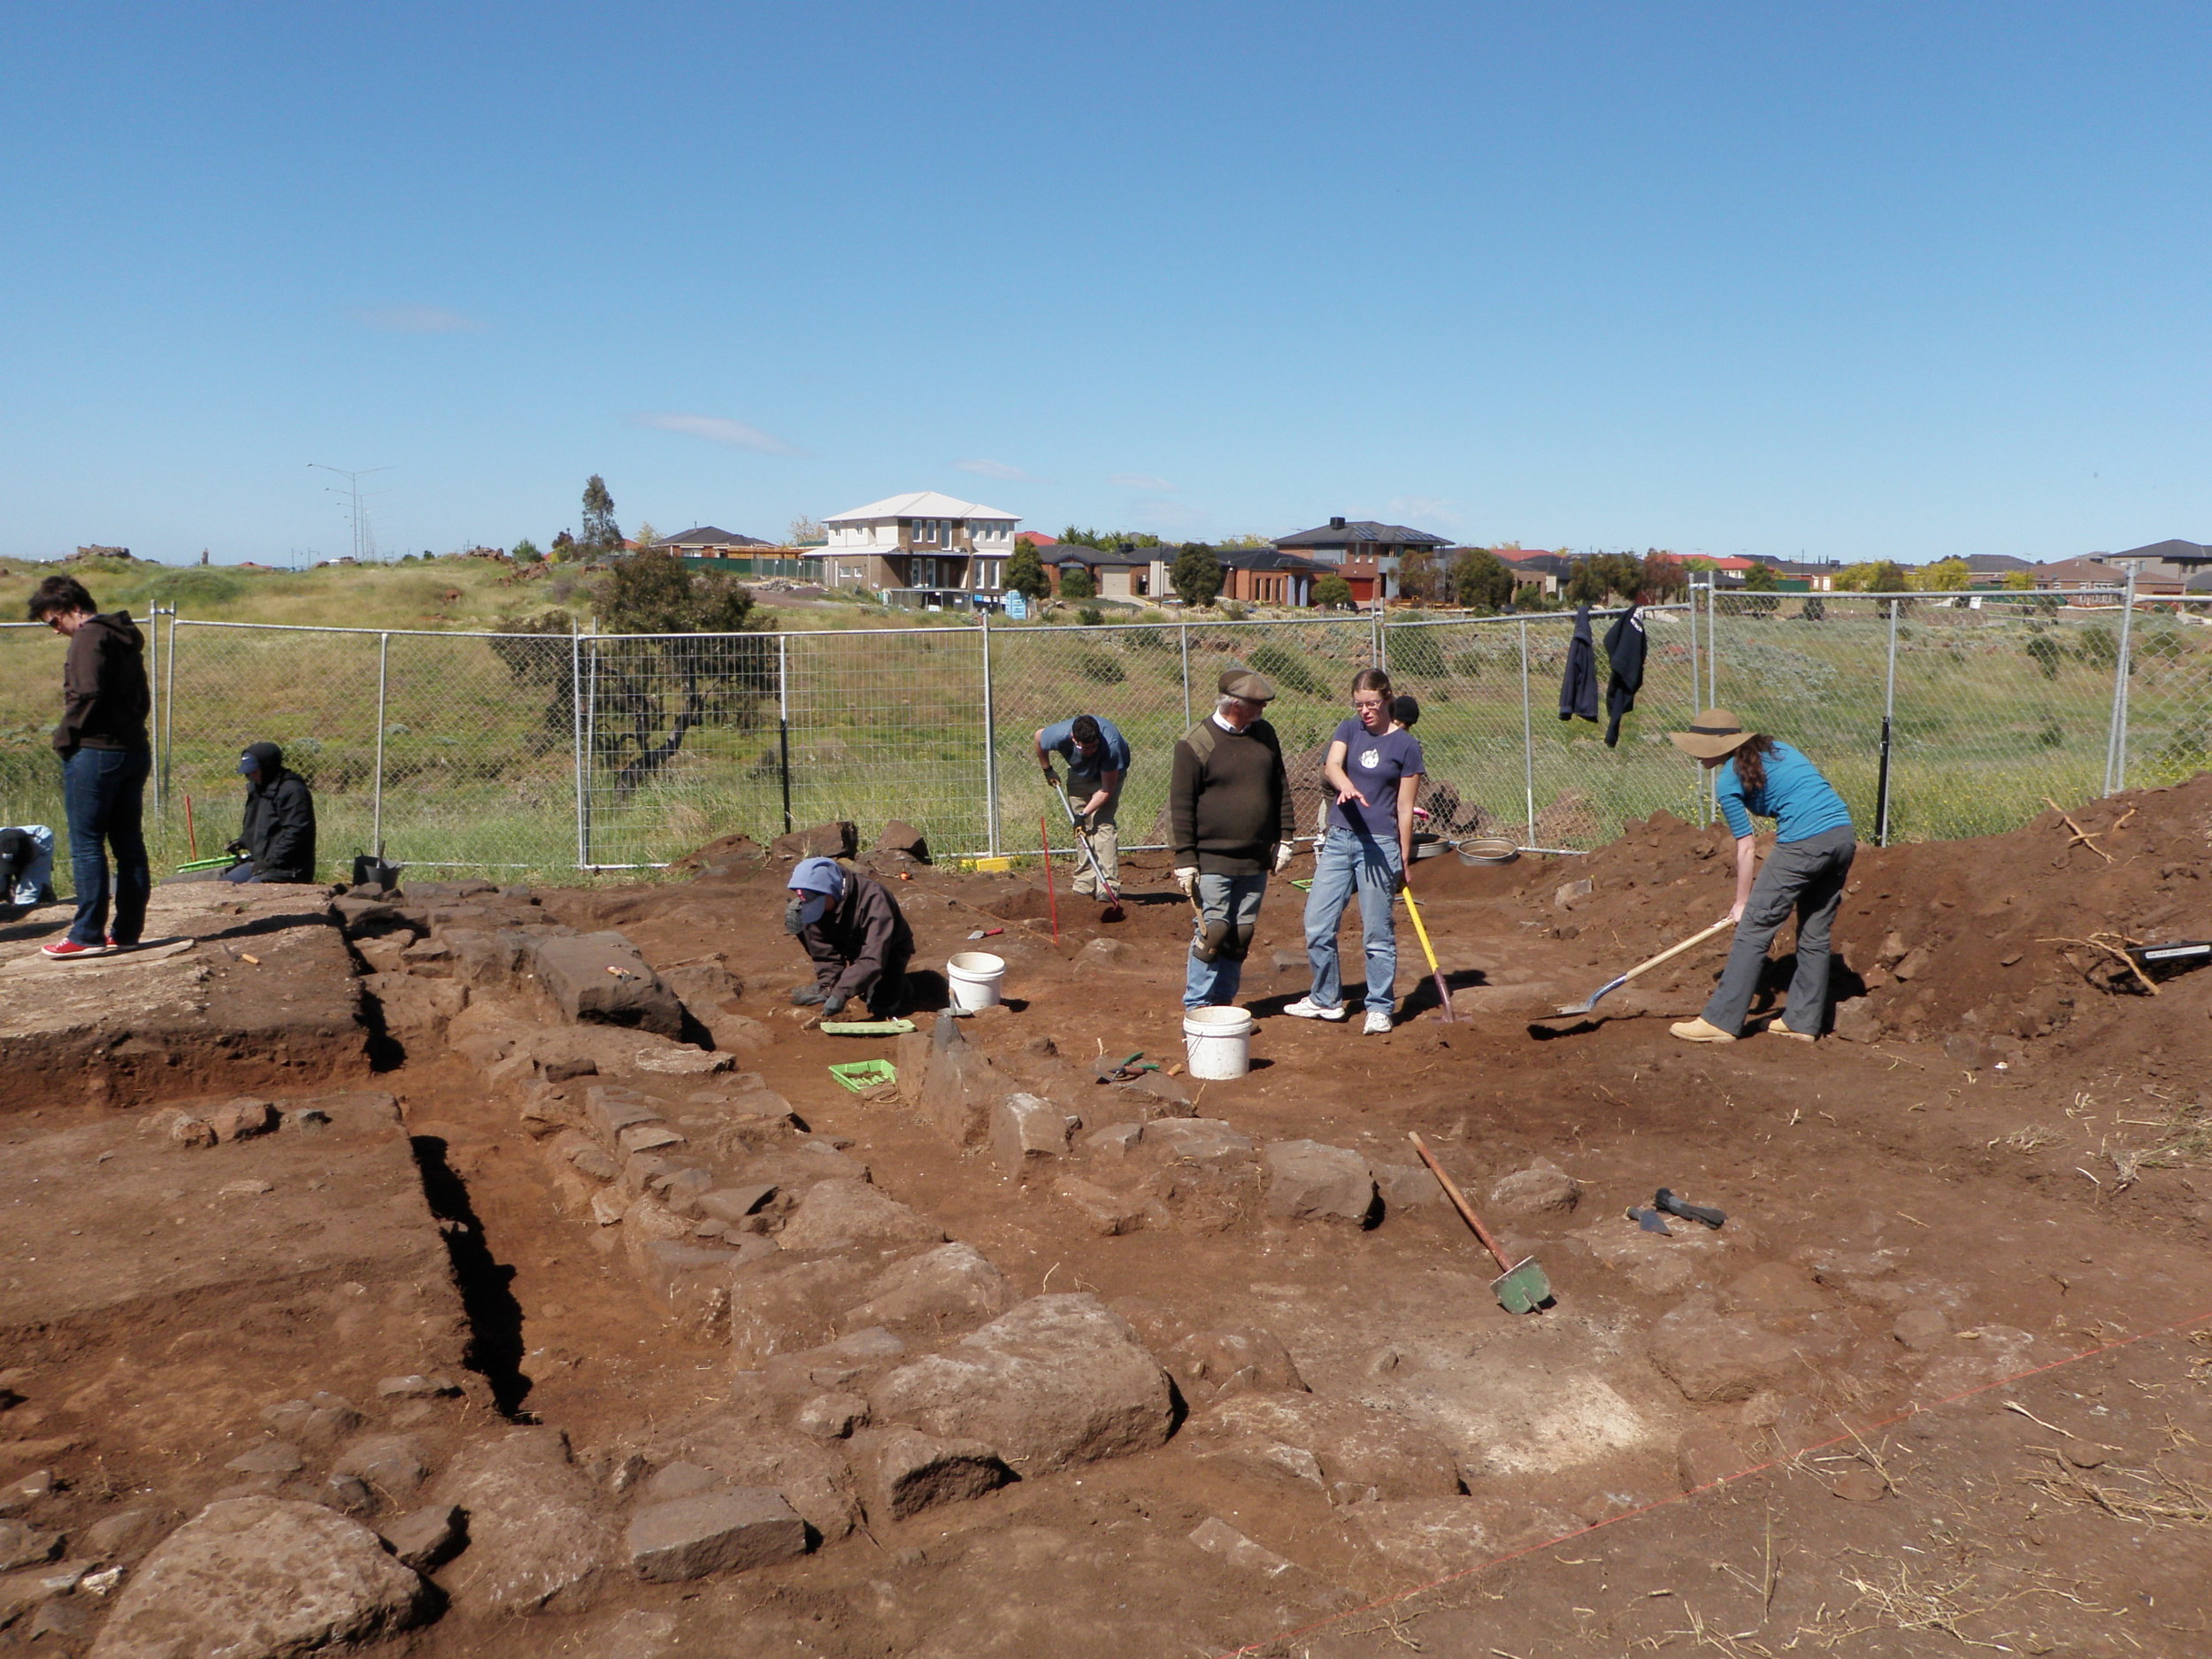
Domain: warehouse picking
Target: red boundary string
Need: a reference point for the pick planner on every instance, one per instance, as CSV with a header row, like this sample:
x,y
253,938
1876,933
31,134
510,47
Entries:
x,y
1725,1481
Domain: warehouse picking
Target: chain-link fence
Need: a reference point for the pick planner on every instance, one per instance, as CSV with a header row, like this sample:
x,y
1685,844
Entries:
x,y
1936,715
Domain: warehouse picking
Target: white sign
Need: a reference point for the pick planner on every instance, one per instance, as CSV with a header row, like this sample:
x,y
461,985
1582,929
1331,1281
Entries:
x,y
1017,607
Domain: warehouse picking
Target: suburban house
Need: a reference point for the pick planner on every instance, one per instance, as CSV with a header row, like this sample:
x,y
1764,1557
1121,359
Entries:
x,y
1366,554
921,549
1812,576
1117,573
2161,567
2062,576
708,542
1546,573
1267,576
1990,570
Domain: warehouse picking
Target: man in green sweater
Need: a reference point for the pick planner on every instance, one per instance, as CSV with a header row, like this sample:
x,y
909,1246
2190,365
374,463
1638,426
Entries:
x,y
1228,808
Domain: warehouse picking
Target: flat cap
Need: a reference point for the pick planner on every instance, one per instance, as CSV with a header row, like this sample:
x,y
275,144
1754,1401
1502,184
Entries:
x,y
1242,682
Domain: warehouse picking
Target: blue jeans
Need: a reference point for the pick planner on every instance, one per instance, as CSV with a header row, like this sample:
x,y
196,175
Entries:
x,y
240,872
1347,861
1235,900
101,790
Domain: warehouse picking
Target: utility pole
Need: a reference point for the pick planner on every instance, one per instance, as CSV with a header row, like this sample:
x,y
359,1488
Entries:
x,y
364,531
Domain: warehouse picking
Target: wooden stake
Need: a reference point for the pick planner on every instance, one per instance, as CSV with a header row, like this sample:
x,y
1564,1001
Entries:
x,y
1052,901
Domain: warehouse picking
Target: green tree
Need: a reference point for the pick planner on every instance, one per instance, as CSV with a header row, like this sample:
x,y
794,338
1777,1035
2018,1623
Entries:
x,y
1481,581
703,660
1196,574
807,532
1944,576
601,533
564,547
1026,572
525,552
2020,581
1585,584
1106,540
1077,582
1872,576
1759,578
646,536
1332,593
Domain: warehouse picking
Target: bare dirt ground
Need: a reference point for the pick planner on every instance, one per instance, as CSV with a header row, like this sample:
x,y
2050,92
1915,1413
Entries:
x,y
1942,1382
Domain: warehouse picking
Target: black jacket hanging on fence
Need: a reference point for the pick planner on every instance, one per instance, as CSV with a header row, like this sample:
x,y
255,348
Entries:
x,y
1578,691
1625,650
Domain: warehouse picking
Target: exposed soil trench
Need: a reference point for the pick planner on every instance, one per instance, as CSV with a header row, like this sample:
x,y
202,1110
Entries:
x,y
1998,1166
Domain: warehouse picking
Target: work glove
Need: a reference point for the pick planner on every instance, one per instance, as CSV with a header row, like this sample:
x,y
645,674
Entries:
x,y
807,996
237,849
1187,879
1283,851
833,1004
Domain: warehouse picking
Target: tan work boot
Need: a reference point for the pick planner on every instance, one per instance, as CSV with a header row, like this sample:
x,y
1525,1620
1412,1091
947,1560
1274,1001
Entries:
x,y
1776,1028
1699,1031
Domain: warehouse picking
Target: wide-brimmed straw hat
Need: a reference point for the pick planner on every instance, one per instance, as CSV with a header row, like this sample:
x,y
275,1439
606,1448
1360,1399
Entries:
x,y
1712,735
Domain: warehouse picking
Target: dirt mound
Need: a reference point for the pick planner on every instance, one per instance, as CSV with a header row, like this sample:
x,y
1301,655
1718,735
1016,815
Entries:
x,y
1986,944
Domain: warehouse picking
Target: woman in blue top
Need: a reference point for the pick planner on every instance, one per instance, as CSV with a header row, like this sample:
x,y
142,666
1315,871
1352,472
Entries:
x,y
1814,845
1374,768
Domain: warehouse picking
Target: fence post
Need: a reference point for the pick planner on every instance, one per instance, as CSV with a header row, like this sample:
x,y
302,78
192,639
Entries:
x,y
1184,629
1528,739
783,722
383,679
990,746
169,713
1380,644
576,740
2115,764
1889,711
153,684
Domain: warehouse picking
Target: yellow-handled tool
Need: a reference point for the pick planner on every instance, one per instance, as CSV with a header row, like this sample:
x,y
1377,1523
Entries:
x,y
1443,991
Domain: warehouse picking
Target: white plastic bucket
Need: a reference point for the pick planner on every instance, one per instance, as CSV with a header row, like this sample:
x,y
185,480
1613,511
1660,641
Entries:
x,y
975,977
1218,1041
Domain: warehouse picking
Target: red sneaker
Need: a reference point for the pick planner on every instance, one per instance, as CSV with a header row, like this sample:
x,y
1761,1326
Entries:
x,y
69,949
116,944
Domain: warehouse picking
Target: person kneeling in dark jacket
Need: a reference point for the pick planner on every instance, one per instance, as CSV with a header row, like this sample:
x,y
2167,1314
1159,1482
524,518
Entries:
x,y
851,927
278,836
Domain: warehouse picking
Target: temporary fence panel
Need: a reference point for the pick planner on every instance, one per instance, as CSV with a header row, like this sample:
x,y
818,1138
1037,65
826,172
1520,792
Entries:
x,y
1995,701
30,702
310,691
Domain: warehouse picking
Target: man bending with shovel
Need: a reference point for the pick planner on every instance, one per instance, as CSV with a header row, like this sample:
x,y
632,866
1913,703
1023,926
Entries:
x,y
1098,760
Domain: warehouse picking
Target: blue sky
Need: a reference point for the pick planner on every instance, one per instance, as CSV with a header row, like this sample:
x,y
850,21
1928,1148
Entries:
x,y
1847,280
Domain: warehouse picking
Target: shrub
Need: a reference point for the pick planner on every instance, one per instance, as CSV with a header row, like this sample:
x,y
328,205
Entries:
x,y
2048,654
1232,610
1287,668
1332,593
1101,668
1415,653
1090,617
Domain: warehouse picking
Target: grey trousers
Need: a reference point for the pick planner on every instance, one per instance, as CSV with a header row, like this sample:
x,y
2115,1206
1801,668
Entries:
x,y
1806,877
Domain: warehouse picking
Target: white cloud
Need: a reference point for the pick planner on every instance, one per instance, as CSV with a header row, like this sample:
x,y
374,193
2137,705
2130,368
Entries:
x,y
1434,509
419,319
1139,480
733,435
990,469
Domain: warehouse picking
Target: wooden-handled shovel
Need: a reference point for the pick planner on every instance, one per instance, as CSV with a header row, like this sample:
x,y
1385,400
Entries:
x,y
1668,955
1522,1287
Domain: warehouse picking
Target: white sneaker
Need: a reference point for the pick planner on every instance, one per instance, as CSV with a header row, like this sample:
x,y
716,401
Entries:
x,y
1306,1008
1378,1022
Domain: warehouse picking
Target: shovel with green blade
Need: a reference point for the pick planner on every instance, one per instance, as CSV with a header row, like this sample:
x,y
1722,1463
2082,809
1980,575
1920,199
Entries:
x,y
1522,1287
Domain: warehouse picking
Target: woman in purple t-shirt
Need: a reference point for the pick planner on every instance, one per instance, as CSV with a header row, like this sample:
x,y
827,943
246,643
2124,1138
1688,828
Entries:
x,y
1374,769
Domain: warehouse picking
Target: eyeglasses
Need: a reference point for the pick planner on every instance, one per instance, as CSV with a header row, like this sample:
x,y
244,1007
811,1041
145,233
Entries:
x,y
1367,702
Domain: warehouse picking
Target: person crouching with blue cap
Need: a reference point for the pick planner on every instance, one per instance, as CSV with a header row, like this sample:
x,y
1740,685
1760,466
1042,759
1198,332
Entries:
x,y
851,926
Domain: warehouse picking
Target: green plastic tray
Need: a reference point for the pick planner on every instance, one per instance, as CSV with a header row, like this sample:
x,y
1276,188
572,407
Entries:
x,y
861,1075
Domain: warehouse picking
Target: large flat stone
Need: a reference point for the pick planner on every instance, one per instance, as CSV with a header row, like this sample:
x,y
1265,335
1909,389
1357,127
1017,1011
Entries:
x,y
536,1539
600,978
713,1532
1058,1381
261,1579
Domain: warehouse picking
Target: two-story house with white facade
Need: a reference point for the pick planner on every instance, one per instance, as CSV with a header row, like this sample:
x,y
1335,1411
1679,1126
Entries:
x,y
929,546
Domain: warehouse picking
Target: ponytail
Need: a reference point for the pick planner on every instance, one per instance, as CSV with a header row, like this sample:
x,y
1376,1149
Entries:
x,y
1751,767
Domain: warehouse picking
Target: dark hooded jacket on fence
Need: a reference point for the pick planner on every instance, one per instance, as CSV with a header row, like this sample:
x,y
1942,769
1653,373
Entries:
x,y
279,832
1578,690
1625,650
105,699
861,944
